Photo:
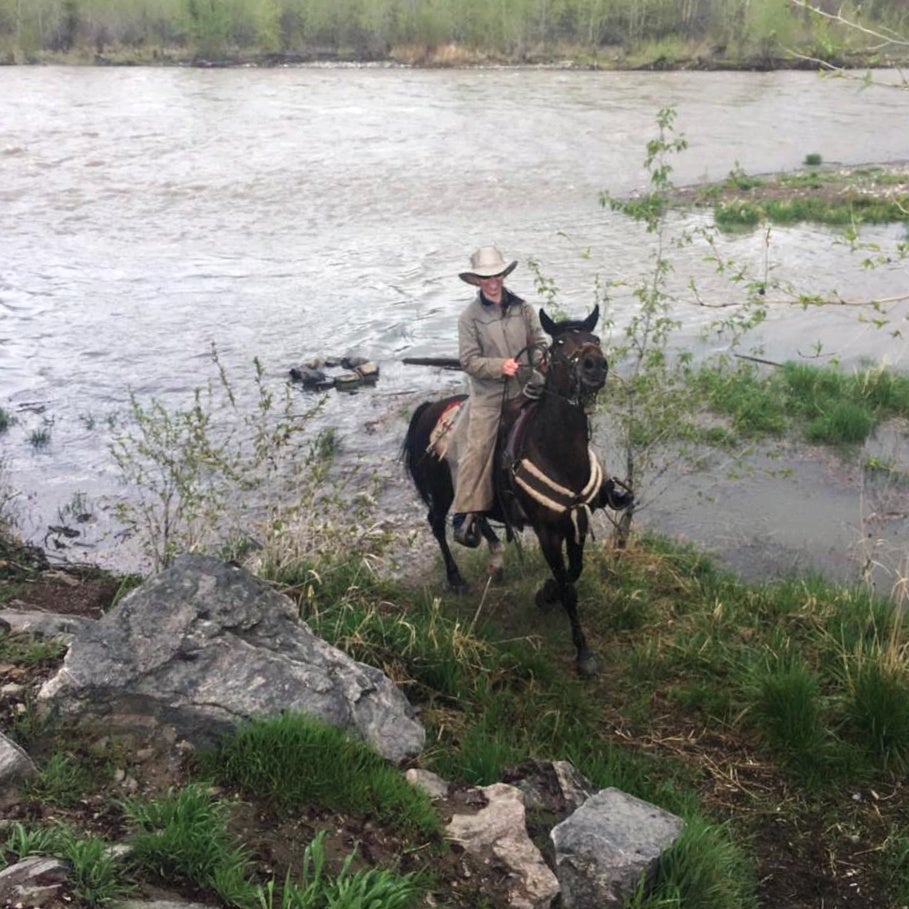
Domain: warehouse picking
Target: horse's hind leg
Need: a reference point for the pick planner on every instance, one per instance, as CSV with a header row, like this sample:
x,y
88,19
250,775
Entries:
x,y
437,521
495,567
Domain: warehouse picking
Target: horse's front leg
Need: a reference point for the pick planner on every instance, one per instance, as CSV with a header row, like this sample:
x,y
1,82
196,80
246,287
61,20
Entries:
x,y
563,581
575,549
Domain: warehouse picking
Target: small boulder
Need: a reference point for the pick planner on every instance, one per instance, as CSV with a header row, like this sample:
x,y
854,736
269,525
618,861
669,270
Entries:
x,y
604,848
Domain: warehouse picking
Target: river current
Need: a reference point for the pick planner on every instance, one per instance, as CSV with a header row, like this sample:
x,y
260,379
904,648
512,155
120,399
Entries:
x,y
149,213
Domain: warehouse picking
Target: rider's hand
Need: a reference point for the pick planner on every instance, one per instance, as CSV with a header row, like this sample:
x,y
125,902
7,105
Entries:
x,y
510,367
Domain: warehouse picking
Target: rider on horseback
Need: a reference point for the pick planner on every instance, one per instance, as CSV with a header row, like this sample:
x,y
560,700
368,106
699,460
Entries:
x,y
496,328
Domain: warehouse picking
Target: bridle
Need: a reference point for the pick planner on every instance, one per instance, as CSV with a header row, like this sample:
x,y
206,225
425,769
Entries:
x,y
580,393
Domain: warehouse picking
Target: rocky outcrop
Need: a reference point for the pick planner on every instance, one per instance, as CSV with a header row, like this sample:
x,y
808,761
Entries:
x,y
204,646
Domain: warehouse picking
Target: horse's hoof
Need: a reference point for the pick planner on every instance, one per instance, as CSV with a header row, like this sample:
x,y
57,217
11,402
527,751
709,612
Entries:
x,y
459,587
496,575
588,668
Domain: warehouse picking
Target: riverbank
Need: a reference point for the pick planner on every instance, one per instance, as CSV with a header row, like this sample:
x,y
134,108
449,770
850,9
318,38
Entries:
x,y
650,57
790,802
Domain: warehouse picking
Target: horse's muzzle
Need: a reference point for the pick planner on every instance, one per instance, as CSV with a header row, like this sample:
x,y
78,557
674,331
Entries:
x,y
592,371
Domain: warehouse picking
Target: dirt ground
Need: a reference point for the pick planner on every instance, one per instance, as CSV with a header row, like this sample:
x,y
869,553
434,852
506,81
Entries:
x,y
823,861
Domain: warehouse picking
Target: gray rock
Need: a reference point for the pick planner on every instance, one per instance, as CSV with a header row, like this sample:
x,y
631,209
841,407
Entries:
x,y
162,904
35,881
606,845
497,833
428,782
204,646
15,764
46,624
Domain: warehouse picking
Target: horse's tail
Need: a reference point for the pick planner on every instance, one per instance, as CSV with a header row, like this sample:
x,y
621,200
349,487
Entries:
x,y
413,449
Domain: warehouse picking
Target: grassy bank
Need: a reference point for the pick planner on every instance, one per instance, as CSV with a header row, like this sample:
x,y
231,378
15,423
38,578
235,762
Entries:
x,y
819,193
774,718
613,33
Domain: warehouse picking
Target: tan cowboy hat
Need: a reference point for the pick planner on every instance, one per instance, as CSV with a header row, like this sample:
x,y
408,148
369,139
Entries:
x,y
487,262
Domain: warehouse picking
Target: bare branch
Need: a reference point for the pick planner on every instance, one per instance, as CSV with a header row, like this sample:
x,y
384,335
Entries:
x,y
887,35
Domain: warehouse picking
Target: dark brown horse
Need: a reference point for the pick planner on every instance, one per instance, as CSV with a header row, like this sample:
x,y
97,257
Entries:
x,y
546,474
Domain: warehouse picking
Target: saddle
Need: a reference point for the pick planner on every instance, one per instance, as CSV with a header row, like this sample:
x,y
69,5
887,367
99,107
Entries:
x,y
512,434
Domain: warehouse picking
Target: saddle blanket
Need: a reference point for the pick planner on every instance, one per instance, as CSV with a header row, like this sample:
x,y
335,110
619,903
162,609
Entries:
x,y
441,433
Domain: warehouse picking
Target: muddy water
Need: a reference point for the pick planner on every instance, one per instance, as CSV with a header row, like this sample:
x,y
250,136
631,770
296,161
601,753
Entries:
x,y
146,214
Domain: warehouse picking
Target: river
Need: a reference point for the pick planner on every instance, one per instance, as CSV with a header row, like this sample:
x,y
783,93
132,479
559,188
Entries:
x,y
148,213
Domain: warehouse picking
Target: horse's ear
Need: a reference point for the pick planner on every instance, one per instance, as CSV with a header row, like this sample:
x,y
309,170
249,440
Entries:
x,y
590,322
548,325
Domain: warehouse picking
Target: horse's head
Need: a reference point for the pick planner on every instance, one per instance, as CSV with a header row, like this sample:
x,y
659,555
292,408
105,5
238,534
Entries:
x,y
577,365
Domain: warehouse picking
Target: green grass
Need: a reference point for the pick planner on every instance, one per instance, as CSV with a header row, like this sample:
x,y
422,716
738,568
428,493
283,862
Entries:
x,y
184,837
817,196
63,780
705,869
313,887
291,762
785,706
825,404
796,687
877,710
96,877
30,651
896,861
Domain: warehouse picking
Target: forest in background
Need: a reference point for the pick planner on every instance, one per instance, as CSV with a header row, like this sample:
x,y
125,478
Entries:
x,y
600,33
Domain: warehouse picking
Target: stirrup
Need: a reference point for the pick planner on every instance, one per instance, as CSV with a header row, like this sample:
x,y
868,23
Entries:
x,y
615,498
467,530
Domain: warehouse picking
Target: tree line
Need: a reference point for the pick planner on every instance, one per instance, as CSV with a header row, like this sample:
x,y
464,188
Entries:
x,y
510,30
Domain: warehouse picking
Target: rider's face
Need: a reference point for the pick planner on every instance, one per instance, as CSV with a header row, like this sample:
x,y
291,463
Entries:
x,y
491,287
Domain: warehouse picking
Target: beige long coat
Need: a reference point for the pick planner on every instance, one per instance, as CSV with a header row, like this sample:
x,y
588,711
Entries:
x,y
488,334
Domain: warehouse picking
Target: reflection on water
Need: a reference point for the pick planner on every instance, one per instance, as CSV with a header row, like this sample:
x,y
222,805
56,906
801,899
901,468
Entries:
x,y
148,213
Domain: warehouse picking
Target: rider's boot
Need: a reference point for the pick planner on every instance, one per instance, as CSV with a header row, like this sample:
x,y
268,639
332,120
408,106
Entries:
x,y
466,529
